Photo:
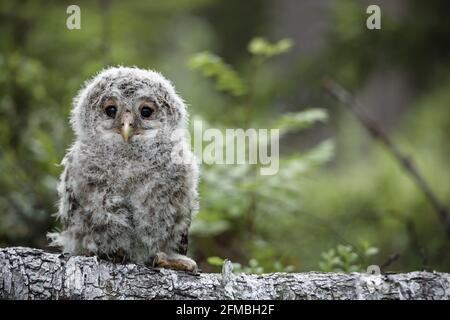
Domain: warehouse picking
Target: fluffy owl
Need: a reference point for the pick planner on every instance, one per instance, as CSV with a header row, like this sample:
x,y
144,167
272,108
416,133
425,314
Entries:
x,y
129,186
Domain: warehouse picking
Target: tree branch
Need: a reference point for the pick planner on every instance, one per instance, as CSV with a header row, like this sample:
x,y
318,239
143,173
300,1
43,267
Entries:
x,y
27,273
344,97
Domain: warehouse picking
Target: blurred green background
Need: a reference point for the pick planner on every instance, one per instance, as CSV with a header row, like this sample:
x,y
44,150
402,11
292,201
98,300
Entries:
x,y
340,201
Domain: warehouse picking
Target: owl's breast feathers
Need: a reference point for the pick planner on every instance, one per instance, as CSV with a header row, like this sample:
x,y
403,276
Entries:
x,y
138,204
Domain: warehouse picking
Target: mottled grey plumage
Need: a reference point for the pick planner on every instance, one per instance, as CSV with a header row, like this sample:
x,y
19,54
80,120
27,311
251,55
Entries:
x,y
127,197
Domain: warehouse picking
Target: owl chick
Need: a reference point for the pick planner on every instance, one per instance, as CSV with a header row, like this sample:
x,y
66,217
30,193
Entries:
x,y
129,186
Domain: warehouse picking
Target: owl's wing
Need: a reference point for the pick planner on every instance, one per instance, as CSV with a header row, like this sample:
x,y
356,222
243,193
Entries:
x,y
68,205
68,202
189,202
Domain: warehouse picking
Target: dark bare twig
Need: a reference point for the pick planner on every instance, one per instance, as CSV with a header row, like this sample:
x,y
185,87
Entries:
x,y
390,260
414,238
344,97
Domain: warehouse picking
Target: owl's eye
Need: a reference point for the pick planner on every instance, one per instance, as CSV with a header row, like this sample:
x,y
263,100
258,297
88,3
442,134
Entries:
x,y
146,112
111,111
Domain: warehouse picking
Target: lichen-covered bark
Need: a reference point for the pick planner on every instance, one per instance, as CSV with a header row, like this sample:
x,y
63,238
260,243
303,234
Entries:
x,y
27,273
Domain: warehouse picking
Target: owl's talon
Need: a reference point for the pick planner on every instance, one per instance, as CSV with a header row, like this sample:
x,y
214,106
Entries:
x,y
175,262
151,262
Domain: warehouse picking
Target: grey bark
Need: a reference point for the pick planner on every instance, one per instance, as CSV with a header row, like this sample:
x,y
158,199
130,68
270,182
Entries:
x,y
27,273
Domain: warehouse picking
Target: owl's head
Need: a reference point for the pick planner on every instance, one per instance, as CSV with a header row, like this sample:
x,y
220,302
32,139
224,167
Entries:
x,y
126,105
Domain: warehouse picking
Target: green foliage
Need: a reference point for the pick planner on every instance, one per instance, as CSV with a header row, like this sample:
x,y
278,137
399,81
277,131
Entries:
x,y
237,201
261,47
345,259
215,261
301,120
253,266
213,66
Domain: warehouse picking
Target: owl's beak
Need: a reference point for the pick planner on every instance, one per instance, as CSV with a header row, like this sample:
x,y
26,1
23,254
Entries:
x,y
127,126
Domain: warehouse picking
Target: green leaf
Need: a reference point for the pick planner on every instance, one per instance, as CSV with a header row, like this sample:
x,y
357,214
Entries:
x,y
212,66
371,251
261,47
215,261
301,120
